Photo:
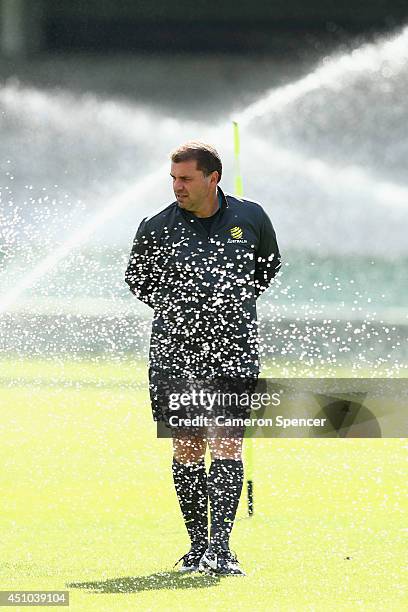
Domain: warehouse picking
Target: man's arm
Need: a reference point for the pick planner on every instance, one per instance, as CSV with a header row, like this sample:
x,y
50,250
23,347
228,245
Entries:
x,y
268,259
139,272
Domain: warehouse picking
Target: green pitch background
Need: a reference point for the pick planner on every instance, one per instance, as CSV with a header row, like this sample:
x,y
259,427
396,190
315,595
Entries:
x,y
88,505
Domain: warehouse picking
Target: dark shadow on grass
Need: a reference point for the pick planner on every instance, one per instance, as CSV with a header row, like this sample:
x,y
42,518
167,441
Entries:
x,y
154,582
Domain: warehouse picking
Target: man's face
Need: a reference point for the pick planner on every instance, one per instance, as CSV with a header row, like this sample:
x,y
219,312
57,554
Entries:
x,y
191,187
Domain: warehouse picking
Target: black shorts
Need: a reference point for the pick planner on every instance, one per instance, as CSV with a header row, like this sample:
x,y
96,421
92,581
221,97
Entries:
x,y
195,406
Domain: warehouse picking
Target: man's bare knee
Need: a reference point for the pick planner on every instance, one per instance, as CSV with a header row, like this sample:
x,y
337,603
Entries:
x,y
189,450
226,448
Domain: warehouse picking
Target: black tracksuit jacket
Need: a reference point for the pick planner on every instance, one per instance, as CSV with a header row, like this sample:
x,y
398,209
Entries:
x,y
203,288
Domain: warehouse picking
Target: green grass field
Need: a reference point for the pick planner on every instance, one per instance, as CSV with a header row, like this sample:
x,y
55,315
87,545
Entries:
x,y
88,505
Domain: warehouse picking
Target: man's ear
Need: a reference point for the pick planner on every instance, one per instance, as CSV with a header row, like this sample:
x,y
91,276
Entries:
x,y
215,177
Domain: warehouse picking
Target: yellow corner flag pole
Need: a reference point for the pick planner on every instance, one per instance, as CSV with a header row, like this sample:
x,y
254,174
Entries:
x,y
239,187
249,463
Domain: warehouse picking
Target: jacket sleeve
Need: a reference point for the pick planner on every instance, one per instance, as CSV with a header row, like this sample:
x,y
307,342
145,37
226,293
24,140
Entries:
x,y
139,272
268,259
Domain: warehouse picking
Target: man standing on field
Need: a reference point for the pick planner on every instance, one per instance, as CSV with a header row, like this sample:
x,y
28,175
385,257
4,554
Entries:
x,y
200,263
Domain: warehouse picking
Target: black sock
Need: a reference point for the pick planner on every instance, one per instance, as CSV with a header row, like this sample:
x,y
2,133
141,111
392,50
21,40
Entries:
x,y
190,481
225,480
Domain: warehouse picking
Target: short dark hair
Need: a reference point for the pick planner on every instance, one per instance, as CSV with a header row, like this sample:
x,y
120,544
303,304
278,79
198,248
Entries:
x,y
206,156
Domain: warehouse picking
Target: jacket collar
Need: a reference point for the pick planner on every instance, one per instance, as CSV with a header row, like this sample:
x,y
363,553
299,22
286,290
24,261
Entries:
x,y
224,201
